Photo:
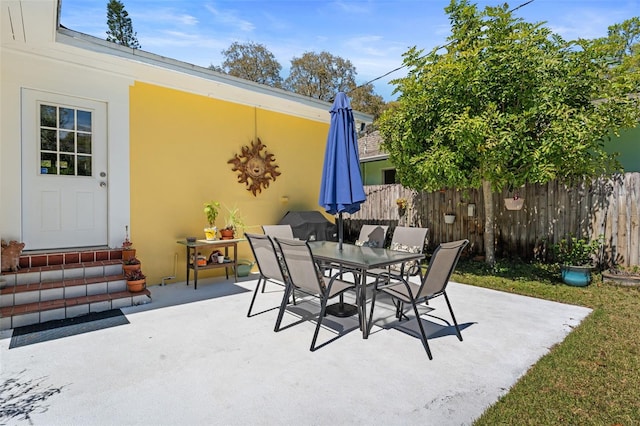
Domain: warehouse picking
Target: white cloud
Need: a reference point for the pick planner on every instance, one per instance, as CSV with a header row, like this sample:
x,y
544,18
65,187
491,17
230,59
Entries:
x,y
351,7
164,16
229,18
168,38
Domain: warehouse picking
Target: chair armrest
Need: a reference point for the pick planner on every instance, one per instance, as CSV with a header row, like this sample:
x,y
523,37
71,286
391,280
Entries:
x,y
388,278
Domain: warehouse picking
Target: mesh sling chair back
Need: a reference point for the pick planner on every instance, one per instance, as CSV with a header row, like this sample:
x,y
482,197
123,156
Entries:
x,y
433,284
405,238
282,231
264,252
304,275
372,235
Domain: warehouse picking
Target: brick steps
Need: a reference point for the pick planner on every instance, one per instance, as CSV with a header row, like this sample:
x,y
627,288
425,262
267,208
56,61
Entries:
x,y
36,294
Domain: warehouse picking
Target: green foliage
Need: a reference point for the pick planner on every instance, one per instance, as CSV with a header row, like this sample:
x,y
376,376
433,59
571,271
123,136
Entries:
x,y
363,99
575,251
211,209
132,261
234,219
320,75
120,27
251,61
622,46
508,102
317,75
135,275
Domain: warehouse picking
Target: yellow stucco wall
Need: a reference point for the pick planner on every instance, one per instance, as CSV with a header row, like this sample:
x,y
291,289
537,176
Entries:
x,y
179,147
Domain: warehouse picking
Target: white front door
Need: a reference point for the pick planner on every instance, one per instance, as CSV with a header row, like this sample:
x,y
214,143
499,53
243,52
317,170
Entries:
x,y
64,171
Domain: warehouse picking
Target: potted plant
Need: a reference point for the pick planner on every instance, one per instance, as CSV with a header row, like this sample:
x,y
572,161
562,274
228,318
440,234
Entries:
x,y
515,203
131,264
136,281
233,223
127,246
576,259
211,209
449,215
623,275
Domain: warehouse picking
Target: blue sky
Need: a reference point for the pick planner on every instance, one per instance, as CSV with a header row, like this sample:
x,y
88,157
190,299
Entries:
x,y
372,34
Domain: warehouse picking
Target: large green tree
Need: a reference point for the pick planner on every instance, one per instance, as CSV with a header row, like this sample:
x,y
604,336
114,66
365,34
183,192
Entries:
x,y
251,61
320,75
621,53
317,75
364,99
120,27
505,103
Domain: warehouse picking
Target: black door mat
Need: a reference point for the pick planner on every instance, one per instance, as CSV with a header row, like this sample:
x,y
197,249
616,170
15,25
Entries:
x,y
57,329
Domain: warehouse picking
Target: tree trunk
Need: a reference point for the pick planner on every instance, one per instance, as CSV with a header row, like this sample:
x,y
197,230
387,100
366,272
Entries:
x,y
489,228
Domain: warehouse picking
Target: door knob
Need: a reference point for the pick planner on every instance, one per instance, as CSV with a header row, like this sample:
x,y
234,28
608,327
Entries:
x,y
103,184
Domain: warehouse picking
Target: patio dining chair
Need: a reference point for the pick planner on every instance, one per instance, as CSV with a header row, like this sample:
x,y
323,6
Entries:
x,y
282,231
305,276
409,239
372,235
433,284
264,252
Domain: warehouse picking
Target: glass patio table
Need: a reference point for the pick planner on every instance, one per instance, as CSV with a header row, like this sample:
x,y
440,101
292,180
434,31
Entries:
x,y
360,259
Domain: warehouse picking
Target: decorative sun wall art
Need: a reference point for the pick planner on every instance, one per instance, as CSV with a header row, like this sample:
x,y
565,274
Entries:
x,y
255,169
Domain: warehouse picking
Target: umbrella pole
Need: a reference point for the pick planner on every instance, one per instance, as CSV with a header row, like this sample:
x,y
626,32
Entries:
x,y
341,309
340,231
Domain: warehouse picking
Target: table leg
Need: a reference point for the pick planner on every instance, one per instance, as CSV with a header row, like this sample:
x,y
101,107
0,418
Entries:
x,y
226,254
187,262
195,270
362,303
235,261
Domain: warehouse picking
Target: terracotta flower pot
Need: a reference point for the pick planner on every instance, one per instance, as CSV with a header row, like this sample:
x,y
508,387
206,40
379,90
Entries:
x,y
130,268
226,234
128,253
136,286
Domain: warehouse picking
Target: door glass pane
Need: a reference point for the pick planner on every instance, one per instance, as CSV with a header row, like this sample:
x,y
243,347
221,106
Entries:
x,y
48,116
67,141
48,140
61,142
84,165
48,164
67,164
67,118
84,121
84,143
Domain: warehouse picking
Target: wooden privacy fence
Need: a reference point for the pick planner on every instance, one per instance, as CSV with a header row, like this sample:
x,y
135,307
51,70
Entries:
x,y
604,206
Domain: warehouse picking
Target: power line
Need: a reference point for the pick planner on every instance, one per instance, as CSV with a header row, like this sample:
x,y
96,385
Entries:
x,y
434,50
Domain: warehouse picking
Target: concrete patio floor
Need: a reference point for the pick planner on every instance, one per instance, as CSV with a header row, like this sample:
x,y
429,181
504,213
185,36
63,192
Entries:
x,y
194,358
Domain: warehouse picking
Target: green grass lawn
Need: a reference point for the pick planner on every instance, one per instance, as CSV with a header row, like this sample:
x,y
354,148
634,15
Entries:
x,y
593,376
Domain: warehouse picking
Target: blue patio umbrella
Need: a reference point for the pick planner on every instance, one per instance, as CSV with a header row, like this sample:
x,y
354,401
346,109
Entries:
x,y
341,188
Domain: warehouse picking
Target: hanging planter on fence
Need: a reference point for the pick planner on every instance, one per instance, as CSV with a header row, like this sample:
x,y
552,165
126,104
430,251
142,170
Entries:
x,y
449,216
515,203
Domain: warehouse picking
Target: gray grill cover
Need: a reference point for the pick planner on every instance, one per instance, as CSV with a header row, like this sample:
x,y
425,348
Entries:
x,y
310,225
